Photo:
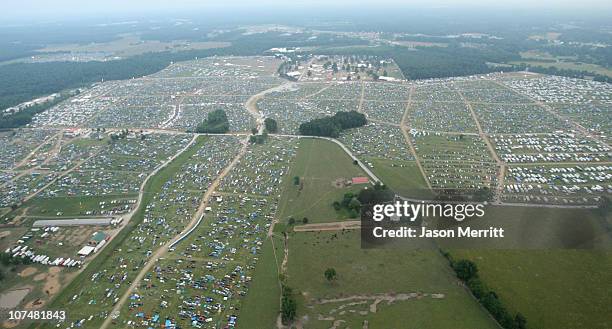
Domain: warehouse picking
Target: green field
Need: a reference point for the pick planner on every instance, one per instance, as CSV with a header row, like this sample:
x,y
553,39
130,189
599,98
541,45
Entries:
x,y
551,288
318,164
260,306
365,272
535,58
403,177
69,206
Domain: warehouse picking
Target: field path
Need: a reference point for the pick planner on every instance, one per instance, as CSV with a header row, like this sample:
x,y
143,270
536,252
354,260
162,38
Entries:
x,y
251,104
160,252
501,174
404,128
331,226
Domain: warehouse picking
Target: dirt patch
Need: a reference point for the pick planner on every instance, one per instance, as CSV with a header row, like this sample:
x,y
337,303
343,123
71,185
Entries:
x,y
26,272
333,226
40,276
4,234
13,298
10,324
340,183
52,283
34,304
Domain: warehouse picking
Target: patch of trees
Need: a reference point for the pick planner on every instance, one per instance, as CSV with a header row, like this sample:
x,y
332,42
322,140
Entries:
x,y
349,202
216,123
258,139
330,274
271,125
467,271
333,126
6,260
288,305
377,194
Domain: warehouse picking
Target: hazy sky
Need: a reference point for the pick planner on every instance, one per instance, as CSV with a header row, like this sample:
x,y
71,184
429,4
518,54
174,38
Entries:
x,y
51,9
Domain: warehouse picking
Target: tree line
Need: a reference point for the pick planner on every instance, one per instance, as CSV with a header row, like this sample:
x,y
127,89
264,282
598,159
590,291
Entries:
x,y
24,116
467,272
332,126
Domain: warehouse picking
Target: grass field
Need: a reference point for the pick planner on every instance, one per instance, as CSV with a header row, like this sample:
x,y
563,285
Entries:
x,y
260,306
69,206
552,288
364,272
318,164
403,177
535,58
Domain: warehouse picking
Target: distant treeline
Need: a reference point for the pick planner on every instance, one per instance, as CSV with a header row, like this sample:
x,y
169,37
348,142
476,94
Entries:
x,y
25,116
333,126
563,72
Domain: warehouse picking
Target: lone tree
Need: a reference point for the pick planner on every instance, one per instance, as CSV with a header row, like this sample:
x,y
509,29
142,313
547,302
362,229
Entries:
x,y
330,274
465,270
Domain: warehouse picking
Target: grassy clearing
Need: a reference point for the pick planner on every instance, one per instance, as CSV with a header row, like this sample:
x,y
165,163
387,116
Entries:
x,y
403,177
260,306
318,164
376,271
552,288
566,64
70,206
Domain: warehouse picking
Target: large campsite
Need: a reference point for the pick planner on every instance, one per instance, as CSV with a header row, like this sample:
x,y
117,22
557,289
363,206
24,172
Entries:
x,y
119,207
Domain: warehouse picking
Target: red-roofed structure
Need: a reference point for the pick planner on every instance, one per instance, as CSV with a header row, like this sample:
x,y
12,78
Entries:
x,y
360,180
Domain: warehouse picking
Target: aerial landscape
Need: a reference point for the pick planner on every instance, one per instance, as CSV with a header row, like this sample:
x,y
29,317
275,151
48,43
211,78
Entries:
x,y
215,165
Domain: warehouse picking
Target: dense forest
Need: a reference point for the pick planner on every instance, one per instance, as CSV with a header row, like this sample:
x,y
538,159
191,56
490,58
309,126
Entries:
x,y
333,126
